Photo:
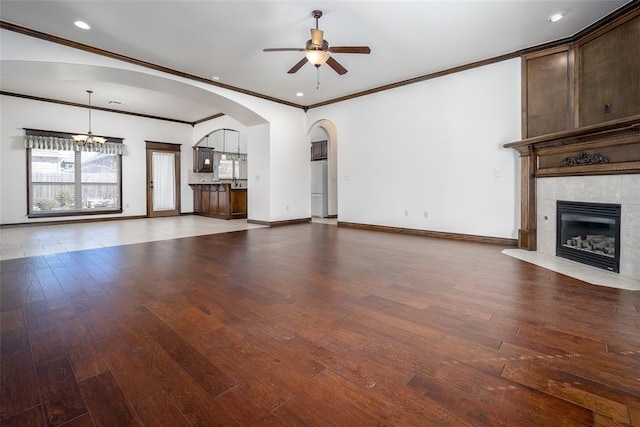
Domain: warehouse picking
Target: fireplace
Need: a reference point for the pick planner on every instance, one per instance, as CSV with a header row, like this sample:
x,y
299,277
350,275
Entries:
x,y
589,233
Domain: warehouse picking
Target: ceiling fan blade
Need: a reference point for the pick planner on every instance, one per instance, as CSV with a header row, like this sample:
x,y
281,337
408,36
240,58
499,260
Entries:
x,y
350,49
298,65
336,66
284,49
317,36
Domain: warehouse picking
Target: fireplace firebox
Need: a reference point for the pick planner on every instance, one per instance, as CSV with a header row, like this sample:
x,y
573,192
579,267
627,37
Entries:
x,y
589,233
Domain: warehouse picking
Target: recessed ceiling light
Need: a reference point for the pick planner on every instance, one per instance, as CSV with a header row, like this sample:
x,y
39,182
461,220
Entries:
x,y
82,24
299,94
216,78
554,17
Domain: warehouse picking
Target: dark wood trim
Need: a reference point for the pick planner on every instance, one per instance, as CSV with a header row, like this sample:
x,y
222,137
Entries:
x,y
332,216
95,50
418,79
617,140
428,233
71,221
93,107
165,146
206,119
615,16
280,223
609,22
168,147
573,135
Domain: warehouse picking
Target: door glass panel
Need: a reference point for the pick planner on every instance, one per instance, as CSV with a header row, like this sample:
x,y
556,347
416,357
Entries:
x,y
164,182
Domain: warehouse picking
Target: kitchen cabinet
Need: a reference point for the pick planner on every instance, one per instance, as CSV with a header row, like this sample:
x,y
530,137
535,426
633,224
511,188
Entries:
x,y
219,200
202,159
319,150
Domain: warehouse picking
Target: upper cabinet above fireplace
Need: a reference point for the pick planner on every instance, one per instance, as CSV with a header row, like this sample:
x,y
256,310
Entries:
x,y
592,79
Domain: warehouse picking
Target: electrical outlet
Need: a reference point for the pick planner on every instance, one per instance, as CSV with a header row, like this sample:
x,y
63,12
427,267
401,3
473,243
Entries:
x,y
607,108
426,214
406,213
497,173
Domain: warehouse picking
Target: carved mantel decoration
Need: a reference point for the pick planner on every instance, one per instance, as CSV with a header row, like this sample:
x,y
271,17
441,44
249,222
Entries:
x,y
604,149
584,159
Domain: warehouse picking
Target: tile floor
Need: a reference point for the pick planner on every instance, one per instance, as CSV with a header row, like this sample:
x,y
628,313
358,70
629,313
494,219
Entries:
x,y
586,273
26,241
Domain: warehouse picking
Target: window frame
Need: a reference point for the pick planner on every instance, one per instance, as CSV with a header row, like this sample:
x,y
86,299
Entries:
x,y
77,182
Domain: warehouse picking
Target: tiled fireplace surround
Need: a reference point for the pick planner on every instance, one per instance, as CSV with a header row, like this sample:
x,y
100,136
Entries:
x,y
619,189
544,181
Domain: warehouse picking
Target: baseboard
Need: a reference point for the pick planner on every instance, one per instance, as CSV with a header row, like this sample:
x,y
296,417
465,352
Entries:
x,y
426,233
72,221
280,223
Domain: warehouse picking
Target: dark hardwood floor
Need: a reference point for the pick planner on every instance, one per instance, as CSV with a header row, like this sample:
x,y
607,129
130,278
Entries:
x,y
312,325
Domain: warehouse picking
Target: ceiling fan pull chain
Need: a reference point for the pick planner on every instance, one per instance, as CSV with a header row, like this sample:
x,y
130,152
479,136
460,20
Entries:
x,y
317,78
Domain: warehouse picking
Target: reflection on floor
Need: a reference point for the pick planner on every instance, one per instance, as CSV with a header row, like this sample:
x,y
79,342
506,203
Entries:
x,y
26,241
586,273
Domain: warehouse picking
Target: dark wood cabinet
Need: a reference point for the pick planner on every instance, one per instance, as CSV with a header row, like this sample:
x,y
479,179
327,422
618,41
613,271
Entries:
x,y
219,201
546,92
319,150
593,80
202,159
608,68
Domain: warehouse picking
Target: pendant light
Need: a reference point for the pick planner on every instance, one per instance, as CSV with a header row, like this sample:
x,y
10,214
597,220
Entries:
x,y
207,161
89,139
224,145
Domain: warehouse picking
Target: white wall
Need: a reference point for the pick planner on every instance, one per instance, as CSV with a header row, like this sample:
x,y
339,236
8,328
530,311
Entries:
x,y
17,113
277,141
434,146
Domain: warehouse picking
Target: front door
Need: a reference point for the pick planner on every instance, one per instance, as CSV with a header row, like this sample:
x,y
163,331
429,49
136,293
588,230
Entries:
x,y
163,179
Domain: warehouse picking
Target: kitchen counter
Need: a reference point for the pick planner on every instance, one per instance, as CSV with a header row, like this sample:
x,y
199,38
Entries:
x,y
219,200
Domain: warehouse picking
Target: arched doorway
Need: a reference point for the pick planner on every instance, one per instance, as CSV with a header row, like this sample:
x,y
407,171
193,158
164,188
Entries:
x,y
323,132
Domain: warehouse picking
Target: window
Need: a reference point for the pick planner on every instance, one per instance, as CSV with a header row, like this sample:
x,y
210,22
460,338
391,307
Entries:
x,y
66,181
229,169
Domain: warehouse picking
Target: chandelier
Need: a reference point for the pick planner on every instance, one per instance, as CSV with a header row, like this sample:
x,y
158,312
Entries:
x,y
88,138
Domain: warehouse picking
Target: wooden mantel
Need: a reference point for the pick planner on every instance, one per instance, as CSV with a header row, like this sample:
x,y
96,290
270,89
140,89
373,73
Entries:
x,y
604,149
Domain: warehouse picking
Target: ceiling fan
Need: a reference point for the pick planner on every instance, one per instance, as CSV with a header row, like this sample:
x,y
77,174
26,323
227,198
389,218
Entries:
x,y
317,50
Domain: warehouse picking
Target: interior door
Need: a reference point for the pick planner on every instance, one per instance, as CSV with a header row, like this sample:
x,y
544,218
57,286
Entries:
x,y
163,179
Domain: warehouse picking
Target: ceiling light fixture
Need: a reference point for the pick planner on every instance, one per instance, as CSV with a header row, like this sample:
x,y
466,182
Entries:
x,y
317,57
555,17
89,139
299,94
82,24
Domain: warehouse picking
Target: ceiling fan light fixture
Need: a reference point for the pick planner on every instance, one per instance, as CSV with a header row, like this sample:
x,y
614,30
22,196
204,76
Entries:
x,y
317,57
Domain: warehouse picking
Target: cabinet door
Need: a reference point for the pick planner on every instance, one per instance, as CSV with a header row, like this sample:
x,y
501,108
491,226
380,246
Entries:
x,y
223,201
609,80
319,150
197,199
213,200
239,202
205,159
205,199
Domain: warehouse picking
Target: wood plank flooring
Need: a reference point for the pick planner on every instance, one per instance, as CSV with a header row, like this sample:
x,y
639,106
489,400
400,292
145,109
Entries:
x,y
312,325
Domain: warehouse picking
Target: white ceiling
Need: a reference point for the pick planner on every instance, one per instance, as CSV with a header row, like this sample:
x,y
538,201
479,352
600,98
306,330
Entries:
x,y
225,39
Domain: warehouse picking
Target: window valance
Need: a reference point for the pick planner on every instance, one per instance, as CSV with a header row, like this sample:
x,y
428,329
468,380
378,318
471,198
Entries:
x,y
69,144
